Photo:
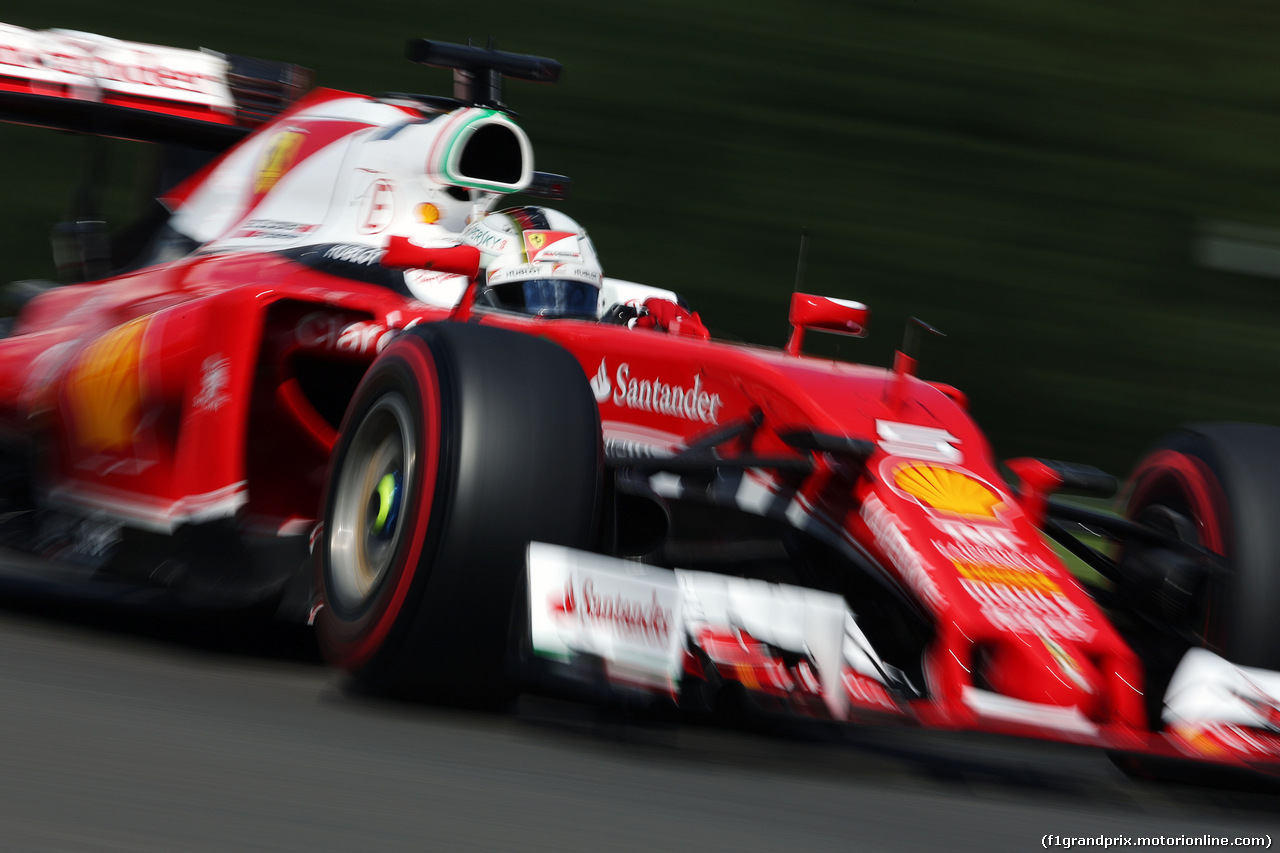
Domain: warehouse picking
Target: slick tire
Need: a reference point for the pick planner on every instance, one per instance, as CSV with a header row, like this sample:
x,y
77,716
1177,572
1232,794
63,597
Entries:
x,y
461,445
1219,485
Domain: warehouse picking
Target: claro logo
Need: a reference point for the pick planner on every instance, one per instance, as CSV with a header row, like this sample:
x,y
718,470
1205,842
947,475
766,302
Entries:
x,y
691,403
333,333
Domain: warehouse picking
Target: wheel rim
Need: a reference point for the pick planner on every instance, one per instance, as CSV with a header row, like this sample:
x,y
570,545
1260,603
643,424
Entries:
x,y
369,516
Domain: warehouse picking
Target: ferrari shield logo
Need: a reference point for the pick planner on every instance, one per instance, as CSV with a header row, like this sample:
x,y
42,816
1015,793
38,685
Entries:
x,y
278,159
551,246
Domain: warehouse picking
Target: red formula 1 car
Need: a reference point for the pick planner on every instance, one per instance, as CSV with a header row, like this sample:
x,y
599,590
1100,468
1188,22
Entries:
x,y
333,372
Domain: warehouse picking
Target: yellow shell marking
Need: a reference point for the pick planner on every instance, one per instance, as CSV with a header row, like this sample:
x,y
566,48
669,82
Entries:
x,y
947,490
103,389
1005,576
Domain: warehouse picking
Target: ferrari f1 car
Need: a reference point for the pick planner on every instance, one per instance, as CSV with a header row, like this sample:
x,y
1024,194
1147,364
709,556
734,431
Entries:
x,y
496,469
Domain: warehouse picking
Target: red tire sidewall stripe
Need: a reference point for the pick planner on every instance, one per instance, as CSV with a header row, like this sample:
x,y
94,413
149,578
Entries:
x,y
353,651
1199,486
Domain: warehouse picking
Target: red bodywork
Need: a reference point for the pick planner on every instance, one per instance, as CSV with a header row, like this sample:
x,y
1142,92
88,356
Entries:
x,y
175,395
213,387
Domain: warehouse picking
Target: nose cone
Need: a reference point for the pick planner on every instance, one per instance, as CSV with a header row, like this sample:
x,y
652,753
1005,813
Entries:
x,y
1040,669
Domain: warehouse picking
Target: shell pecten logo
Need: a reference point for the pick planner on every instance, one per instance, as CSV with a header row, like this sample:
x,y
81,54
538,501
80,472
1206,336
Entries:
x,y
103,389
947,490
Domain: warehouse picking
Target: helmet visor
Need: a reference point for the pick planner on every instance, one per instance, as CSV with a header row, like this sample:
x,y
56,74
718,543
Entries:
x,y
548,297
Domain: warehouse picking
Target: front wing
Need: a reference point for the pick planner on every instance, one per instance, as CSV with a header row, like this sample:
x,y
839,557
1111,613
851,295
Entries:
x,y
623,629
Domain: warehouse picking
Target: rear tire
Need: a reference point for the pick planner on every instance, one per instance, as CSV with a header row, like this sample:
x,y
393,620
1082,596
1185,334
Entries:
x,y
461,445
1219,485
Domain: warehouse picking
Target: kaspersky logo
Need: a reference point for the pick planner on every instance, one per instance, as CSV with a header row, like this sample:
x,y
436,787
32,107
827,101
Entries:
x,y
628,391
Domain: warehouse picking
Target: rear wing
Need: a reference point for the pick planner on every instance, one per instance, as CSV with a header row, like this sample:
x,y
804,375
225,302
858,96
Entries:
x,y
107,87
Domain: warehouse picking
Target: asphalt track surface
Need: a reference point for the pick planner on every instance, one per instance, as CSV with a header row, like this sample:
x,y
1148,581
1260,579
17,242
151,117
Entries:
x,y
139,728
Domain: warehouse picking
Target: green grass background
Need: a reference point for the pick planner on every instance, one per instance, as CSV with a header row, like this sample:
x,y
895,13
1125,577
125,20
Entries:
x,y
1029,176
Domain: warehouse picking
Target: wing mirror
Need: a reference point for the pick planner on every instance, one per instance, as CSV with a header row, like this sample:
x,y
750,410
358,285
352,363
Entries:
x,y
825,314
403,253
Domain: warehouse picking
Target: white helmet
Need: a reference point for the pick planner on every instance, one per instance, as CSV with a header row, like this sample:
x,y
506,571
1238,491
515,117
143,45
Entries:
x,y
537,261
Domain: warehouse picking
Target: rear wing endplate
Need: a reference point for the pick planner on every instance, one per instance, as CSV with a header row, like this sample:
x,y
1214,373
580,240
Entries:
x,y
107,87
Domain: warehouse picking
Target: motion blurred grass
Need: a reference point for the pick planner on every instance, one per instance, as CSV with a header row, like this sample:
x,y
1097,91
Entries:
x,y
1030,176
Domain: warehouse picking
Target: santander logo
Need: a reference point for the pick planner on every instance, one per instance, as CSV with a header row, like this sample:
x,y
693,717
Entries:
x,y
690,403
600,384
648,621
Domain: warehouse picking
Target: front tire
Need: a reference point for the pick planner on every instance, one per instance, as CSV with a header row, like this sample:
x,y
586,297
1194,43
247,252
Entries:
x,y
461,445
1218,486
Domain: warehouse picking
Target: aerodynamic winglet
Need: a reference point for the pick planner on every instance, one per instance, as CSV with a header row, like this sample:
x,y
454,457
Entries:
x,y
478,71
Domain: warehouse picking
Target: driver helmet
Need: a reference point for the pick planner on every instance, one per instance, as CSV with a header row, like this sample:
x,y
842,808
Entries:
x,y
537,261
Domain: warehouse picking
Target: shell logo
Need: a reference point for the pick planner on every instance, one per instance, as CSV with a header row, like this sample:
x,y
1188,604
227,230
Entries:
x,y
104,391
947,490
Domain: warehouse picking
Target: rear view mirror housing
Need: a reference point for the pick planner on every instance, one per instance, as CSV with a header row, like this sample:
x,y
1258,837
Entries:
x,y
825,314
